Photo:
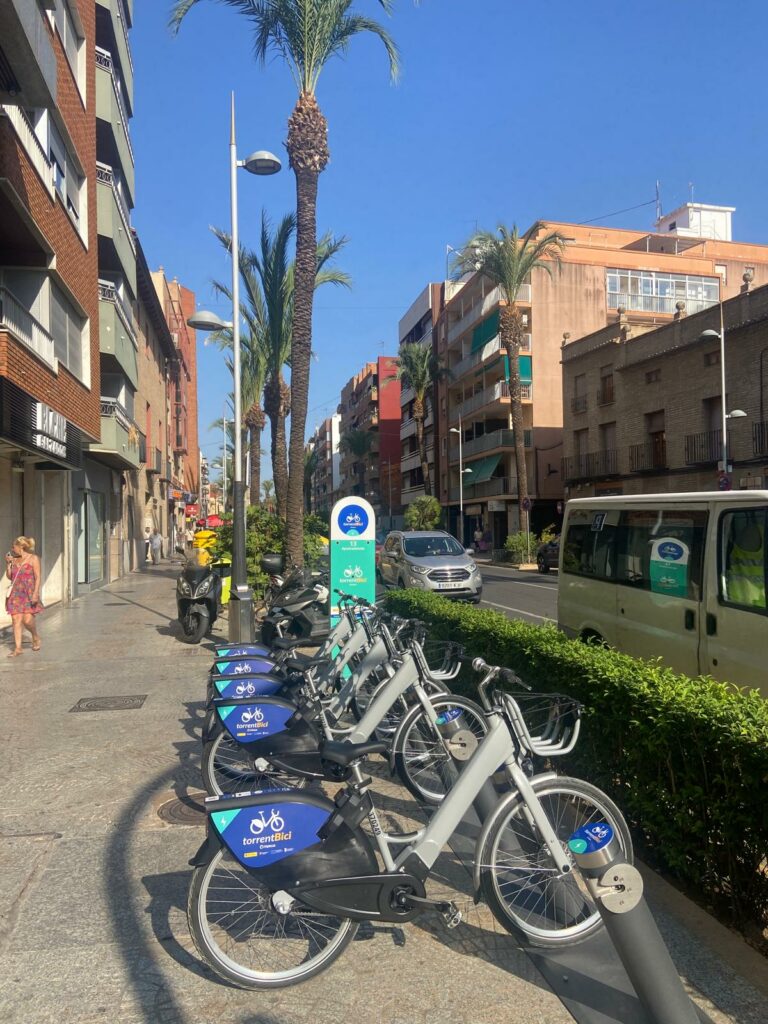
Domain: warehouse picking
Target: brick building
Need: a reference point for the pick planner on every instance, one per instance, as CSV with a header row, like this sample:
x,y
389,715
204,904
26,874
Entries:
x,y
49,305
643,408
690,257
325,481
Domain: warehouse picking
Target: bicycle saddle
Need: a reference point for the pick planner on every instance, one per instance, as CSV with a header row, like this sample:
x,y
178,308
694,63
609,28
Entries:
x,y
345,753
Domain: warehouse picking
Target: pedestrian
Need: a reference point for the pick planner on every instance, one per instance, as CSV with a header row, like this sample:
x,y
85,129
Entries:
x,y
22,567
478,536
189,536
155,546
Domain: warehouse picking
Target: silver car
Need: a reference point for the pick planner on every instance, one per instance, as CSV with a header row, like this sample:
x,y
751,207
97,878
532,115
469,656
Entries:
x,y
430,560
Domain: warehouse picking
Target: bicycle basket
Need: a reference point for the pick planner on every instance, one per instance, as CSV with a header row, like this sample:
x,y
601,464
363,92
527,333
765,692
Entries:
x,y
546,724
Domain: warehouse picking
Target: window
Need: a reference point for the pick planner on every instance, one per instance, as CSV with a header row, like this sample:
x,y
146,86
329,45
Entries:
x,y
605,394
657,292
607,436
741,559
722,270
661,550
588,544
67,180
653,377
72,39
68,329
712,358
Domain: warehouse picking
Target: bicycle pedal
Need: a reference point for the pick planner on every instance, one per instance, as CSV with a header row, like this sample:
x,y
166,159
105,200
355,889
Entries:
x,y
451,916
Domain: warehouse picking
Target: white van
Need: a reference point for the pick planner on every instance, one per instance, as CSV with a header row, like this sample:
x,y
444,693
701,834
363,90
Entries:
x,y
677,576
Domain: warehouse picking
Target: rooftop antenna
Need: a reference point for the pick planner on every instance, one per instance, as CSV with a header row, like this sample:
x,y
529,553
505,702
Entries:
x,y
690,191
658,200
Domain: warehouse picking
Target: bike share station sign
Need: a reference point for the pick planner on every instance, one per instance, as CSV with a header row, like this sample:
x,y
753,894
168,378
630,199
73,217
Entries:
x,y
353,551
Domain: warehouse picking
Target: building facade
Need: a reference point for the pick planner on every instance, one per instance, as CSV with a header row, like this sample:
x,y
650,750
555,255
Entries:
x,y
651,420
602,270
326,475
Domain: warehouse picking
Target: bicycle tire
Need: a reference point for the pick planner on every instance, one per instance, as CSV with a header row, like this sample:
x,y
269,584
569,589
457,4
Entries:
x,y
389,724
427,771
517,876
278,934
226,767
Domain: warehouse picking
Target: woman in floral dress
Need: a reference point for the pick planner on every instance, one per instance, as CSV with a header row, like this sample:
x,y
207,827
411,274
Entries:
x,y
23,599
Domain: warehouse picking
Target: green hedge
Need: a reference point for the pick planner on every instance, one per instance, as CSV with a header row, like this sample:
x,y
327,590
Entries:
x,y
685,759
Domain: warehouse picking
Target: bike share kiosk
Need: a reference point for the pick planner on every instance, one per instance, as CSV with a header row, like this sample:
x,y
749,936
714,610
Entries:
x,y
353,552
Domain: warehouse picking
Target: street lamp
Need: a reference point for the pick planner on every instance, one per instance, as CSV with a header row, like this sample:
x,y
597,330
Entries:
x,y
736,414
241,601
462,471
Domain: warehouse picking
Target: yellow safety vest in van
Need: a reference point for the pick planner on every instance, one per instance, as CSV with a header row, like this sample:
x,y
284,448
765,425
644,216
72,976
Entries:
x,y
746,575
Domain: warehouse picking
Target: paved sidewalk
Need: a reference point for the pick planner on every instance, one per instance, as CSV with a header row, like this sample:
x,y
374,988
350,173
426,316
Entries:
x,y
93,880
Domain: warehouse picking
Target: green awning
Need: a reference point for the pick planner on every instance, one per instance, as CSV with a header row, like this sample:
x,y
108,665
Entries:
x,y
482,470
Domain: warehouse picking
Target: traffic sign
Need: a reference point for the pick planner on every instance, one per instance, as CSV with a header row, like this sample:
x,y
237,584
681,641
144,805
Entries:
x,y
724,483
526,503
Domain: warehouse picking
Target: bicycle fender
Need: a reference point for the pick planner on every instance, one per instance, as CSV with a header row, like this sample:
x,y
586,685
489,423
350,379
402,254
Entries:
x,y
208,850
489,821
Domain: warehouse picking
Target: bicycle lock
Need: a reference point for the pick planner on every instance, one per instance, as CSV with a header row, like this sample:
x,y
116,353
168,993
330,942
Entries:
x,y
617,888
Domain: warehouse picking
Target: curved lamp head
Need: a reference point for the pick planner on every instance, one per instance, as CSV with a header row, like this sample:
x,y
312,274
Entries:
x,y
736,414
261,162
466,470
204,320
709,335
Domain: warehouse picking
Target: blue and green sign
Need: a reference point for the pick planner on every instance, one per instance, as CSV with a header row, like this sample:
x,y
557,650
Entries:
x,y
353,551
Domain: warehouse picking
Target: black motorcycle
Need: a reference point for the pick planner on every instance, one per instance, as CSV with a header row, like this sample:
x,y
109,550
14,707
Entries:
x,y
200,589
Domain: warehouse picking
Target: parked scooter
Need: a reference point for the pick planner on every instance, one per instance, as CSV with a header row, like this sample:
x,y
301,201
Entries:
x,y
299,611
203,585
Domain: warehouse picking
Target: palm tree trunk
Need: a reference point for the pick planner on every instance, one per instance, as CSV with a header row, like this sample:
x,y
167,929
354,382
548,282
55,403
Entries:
x,y
511,332
361,479
255,481
421,442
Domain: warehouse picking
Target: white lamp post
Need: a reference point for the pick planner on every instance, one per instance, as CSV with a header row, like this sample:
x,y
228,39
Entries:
x,y
736,414
241,625
462,471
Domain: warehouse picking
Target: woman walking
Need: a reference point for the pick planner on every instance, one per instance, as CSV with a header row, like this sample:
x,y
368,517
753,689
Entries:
x,y
23,599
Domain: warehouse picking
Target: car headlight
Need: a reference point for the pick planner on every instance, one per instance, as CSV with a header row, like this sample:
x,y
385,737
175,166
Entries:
x,y
183,587
420,570
204,587
472,567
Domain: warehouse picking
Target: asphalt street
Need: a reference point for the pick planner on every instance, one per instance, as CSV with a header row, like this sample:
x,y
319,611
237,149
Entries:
x,y
530,596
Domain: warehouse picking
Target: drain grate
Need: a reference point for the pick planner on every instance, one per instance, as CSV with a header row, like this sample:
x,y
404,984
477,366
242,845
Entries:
x,y
129,703
179,812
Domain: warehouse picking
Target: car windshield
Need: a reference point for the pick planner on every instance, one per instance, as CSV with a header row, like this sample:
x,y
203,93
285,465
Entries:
x,y
427,547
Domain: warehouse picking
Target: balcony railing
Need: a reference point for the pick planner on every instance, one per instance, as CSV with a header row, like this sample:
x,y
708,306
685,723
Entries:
x,y
488,489
124,24
155,465
489,441
109,293
579,403
498,391
25,328
481,309
32,145
142,448
760,438
703,448
591,465
105,176
656,303
104,60
111,408
605,393
476,357
648,456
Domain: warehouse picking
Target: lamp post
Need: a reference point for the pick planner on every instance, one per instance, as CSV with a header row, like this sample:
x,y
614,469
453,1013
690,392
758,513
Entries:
x,y
462,471
224,463
241,625
736,414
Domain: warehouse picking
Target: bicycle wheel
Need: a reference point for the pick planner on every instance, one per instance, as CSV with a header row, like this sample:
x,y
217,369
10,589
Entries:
x,y
246,941
228,768
387,727
519,881
422,751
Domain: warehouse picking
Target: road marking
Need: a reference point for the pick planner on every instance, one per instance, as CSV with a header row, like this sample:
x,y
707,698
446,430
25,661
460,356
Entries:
x,y
520,611
523,583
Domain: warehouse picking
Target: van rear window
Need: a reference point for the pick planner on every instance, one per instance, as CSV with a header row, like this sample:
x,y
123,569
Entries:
x,y
589,542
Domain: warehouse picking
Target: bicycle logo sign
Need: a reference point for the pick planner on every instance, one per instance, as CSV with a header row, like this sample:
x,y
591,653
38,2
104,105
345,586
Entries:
x,y
252,715
242,669
353,574
245,690
353,520
274,823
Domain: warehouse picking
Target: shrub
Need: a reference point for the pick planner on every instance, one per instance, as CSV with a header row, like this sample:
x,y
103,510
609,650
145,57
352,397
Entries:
x,y
686,759
423,514
516,547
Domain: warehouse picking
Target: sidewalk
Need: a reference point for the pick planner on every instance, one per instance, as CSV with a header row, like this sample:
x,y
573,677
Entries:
x,y
100,816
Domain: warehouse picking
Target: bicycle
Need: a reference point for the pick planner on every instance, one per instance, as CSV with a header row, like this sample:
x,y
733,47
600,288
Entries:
x,y
281,911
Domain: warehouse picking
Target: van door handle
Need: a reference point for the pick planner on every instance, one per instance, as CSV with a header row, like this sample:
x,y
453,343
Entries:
x,y
690,618
711,625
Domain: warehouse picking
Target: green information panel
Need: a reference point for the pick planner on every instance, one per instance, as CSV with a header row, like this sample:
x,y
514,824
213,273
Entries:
x,y
669,567
353,551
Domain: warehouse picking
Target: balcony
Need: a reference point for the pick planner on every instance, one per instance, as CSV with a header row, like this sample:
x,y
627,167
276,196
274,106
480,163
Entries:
x,y
481,355
760,438
120,438
498,485
117,335
703,448
579,403
481,309
113,142
649,457
142,448
605,393
115,227
656,303
29,78
498,392
591,465
28,331
408,426
31,144
489,442
112,25
155,465
413,460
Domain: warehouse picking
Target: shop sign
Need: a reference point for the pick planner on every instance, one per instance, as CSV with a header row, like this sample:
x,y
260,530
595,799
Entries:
x,y
175,494
497,506
473,510
353,551
193,510
50,431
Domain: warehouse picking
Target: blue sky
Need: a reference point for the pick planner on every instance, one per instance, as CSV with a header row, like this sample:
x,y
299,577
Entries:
x,y
504,110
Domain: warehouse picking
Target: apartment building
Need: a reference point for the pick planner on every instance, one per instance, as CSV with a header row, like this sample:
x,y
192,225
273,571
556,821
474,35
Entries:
x,y
649,411
183,475
49,306
603,270
370,401
326,477
417,327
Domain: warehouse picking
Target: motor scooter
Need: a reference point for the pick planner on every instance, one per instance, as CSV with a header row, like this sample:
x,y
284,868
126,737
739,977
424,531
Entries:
x,y
203,585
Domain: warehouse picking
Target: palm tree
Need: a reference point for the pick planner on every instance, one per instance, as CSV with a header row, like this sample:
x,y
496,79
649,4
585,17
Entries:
x,y
418,368
358,443
310,466
508,259
267,310
306,34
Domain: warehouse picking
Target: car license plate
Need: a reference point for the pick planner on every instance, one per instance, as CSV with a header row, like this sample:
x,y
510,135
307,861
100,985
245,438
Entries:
x,y
451,586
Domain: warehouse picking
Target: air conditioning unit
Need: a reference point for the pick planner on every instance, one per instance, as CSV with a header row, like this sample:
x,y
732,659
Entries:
x,y
525,319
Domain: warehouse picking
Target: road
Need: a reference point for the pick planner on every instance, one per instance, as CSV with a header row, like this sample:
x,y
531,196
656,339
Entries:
x,y
530,596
